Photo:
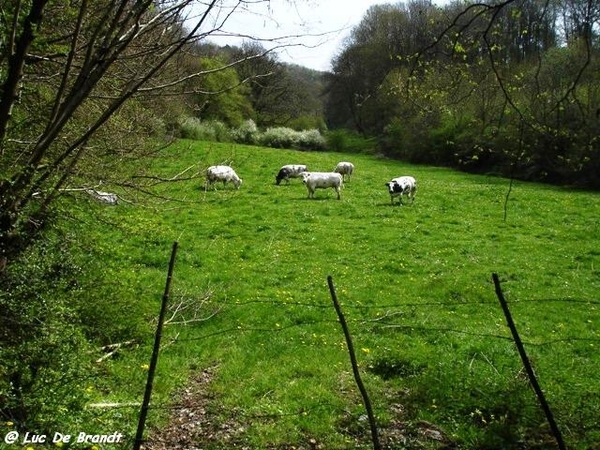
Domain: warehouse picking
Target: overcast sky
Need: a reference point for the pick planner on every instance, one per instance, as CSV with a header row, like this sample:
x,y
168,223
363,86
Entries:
x,y
318,27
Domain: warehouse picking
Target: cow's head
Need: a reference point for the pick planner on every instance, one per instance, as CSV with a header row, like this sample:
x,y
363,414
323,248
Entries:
x,y
394,187
305,176
283,173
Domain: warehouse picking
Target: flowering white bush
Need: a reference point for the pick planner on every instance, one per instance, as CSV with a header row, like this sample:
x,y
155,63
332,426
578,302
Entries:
x,y
246,133
281,137
311,140
210,130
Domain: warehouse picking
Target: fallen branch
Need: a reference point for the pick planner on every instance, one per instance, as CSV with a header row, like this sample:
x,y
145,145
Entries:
x,y
112,349
189,310
107,405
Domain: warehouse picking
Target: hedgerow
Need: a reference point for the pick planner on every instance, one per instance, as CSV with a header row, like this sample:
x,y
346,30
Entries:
x,y
248,133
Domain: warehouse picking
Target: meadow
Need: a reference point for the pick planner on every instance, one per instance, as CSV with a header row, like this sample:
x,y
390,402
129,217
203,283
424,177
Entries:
x,y
414,282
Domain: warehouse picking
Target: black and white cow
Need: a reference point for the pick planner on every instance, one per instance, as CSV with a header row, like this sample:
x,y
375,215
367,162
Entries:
x,y
289,171
400,186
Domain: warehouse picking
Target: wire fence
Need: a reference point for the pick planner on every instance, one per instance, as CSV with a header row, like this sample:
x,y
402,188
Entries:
x,y
387,321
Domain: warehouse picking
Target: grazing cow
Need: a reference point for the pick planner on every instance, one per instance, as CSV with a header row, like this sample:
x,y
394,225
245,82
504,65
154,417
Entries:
x,y
289,171
322,180
402,186
345,168
221,173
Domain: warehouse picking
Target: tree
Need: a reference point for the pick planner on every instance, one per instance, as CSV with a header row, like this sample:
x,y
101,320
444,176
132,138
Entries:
x,y
279,94
381,43
547,81
75,73
509,86
221,95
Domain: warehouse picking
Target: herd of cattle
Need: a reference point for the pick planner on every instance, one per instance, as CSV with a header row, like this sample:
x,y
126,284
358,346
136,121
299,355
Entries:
x,y
397,187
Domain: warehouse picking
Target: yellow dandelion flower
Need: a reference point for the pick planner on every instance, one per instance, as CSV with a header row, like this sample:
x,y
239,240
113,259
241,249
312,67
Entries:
x,y
145,366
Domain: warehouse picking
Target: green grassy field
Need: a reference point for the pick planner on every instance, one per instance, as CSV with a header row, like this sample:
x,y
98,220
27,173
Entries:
x,y
415,285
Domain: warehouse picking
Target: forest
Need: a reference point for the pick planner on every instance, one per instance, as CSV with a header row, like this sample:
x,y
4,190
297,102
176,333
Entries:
x,y
93,92
510,88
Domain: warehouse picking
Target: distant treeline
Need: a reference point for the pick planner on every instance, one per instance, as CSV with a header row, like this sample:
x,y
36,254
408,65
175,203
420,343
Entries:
x,y
512,89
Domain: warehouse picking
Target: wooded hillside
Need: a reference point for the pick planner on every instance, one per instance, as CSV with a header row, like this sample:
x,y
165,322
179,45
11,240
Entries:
x,y
510,87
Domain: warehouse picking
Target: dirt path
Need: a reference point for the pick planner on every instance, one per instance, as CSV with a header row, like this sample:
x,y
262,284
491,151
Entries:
x,y
193,426
197,424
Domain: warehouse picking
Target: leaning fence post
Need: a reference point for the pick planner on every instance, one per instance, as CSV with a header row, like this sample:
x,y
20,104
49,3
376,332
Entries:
x,y
359,382
155,351
527,365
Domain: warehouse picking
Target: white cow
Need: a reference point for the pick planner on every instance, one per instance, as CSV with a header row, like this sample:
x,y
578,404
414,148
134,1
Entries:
x,y
400,186
290,171
222,173
322,180
345,168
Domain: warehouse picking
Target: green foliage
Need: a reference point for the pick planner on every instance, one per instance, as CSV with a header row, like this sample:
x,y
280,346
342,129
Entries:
x,y
64,298
209,130
506,92
281,94
224,98
44,363
307,122
348,142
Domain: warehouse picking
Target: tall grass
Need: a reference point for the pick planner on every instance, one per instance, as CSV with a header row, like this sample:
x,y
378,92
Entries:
x,y
414,282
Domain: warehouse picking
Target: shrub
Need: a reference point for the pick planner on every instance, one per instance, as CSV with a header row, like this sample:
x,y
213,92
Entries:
x,y
44,356
211,130
347,141
279,137
311,140
283,137
246,133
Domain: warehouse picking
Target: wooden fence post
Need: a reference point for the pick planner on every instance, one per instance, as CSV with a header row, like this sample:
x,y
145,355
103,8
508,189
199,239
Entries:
x,y
155,351
361,386
527,365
